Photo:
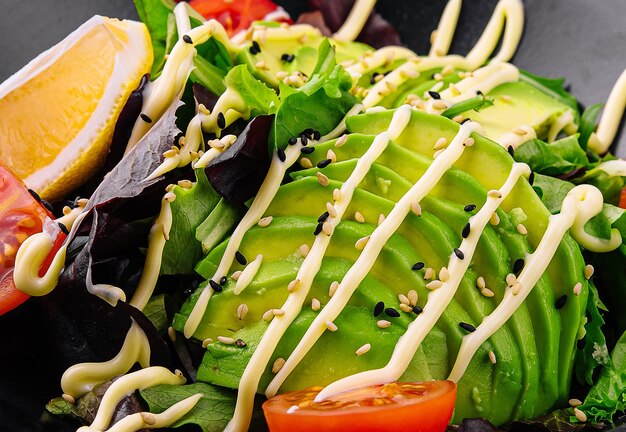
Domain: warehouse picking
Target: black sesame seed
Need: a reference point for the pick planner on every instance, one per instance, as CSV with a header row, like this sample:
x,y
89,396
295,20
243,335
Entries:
x,y
417,309
304,140
467,327
580,344
240,343
323,217
255,48
307,150
511,150
324,163
223,280
288,58
241,259
531,178
64,228
308,132
465,120
145,118
560,302
373,78
48,206
470,208
434,94
216,287
281,155
187,39
518,265
34,195
379,308
293,140
459,253
318,228
317,135
418,266
466,230
479,93
391,312
221,120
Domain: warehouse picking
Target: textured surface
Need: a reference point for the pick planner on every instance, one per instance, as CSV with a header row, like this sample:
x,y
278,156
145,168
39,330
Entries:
x,y
580,39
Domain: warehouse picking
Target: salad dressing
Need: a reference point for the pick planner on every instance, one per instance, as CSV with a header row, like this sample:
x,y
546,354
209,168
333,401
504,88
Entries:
x,y
83,377
441,39
601,139
516,138
353,25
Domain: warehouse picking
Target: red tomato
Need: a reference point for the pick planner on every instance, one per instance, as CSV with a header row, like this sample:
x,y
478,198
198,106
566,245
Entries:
x,y
419,407
622,200
21,215
235,15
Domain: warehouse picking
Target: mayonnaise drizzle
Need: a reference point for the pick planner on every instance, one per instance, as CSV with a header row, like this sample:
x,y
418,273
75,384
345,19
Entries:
x,y
124,386
146,420
372,249
248,274
353,25
293,305
564,121
261,202
438,300
109,293
602,138
615,167
83,377
442,37
514,139
580,204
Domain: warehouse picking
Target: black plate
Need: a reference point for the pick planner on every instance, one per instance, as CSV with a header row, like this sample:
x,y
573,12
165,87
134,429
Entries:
x,y
580,39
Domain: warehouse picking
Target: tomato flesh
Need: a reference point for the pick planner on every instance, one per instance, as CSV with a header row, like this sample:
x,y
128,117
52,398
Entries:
x,y
234,15
21,215
622,200
419,407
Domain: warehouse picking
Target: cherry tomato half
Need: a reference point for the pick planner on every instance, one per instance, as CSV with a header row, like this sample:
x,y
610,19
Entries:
x,y
622,200
419,407
235,15
21,215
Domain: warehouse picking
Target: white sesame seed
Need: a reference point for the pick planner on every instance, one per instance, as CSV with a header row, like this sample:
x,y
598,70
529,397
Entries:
x,y
331,326
440,105
444,274
236,275
268,315
429,273
315,304
242,311
510,279
480,282
365,348
506,98
185,184
580,416
519,131
494,219
469,142
359,217
381,218
336,194
333,287
322,179
332,211
577,288
263,222
416,208
278,312
303,250
441,143
148,418
360,243
293,285
487,292
434,284
516,288
403,299
306,163
383,323
206,342
170,197
438,77
493,193
447,70
575,403
341,140
412,296
331,155
226,340
171,333
492,357
327,228
68,398
589,271
405,308
458,118
278,365
522,229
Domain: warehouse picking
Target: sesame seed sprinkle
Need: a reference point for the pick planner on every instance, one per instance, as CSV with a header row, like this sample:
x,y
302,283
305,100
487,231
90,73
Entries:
x,y
331,155
412,296
359,217
494,194
492,357
293,141
391,312
318,228
242,311
226,340
511,150
519,131
240,343
459,253
417,266
341,140
417,309
531,178
379,308
362,350
315,304
494,219
68,398
293,285
510,279
323,217
331,326
307,150
206,342
145,118
522,229
440,105
487,292
303,250
383,324
278,312
560,302
466,230
268,315
381,218
416,208
467,327
324,163
171,333
516,288
405,308
429,273
580,416
187,39
306,163
321,178
236,275
216,287
278,365
518,265
589,270
221,120
403,299
444,274
434,284
281,155
63,228
470,141
263,222
332,211
440,144
223,280
575,403
336,194
469,208
327,228
360,243
241,259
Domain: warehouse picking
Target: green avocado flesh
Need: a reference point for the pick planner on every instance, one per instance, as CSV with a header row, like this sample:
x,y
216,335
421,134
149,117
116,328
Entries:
x,y
534,349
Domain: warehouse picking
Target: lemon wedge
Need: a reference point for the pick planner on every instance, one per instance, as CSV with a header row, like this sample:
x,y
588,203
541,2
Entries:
x,y
57,114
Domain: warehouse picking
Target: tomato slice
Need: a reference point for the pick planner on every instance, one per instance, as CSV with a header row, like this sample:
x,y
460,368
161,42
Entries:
x,y
21,215
235,15
420,407
622,200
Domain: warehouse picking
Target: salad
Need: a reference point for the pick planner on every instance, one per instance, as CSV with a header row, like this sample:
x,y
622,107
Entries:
x,y
237,222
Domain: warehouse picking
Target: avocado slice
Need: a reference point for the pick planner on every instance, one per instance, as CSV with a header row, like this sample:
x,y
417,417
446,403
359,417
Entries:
x,y
534,350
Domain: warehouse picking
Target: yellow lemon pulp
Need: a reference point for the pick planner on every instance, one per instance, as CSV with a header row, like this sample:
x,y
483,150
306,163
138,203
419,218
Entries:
x,y
58,113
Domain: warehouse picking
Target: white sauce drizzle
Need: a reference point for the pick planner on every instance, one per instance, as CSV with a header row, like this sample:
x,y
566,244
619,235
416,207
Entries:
x,y
580,204
380,57
124,386
248,274
293,305
83,377
109,293
442,37
353,25
372,249
261,202
566,119
514,139
438,300
602,138
145,420
615,167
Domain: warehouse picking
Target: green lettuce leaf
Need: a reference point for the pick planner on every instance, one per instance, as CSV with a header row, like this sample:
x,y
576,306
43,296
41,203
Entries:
x,y
260,98
552,191
560,157
156,311
212,413
595,352
610,186
158,17
208,75
588,123
189,210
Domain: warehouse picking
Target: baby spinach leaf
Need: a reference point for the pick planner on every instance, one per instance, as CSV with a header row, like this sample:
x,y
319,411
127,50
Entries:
x,y
591,356
259,98
588,123
552,191
560,157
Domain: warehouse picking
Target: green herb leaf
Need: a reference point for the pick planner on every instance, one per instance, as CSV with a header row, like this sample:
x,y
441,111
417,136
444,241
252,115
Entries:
x,y
592,355
560,157
156,312
208,75
191,207
158,17
588,123
476,103
552,191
